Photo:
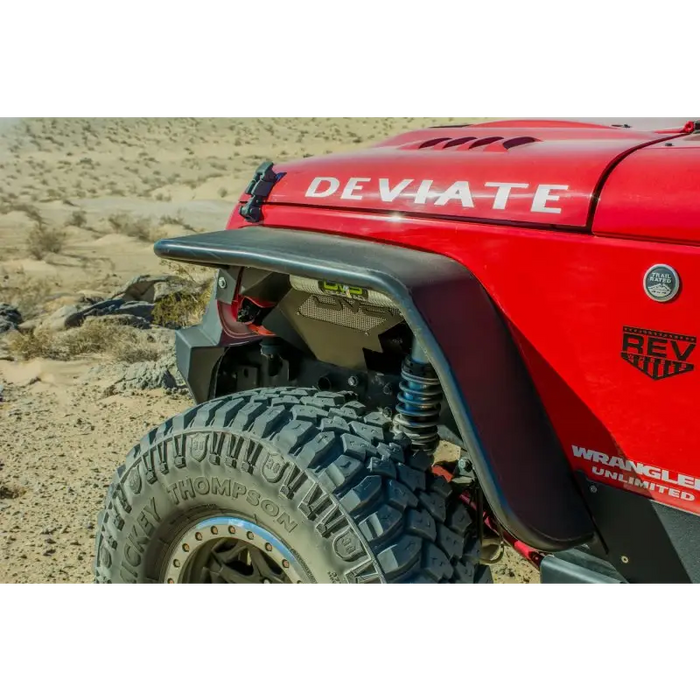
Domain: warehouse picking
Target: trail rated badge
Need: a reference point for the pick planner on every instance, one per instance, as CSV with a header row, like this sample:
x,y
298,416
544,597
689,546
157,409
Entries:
x,y
661,283
659,355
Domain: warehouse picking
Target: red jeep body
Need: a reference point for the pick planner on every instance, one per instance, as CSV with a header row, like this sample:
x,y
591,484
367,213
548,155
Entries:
x,y
560,222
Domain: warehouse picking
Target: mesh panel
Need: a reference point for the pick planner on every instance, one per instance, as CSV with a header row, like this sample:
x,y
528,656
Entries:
x,y
343,312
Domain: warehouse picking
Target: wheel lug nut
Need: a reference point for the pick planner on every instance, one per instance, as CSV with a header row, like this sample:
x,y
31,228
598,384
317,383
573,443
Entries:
x,y
285,564
268,547
176,563
186,547
171,580
232,530
215,531
198,536
250,535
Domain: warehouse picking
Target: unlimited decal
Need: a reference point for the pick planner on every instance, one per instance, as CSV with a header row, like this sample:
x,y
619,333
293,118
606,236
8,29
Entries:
x,y
500,195
637,475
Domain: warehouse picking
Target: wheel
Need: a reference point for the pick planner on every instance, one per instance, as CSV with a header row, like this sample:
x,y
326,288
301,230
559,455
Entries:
x,y
282,486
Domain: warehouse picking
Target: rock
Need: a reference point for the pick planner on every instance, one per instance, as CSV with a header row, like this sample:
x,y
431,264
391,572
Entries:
x,y
10,318
112,307
148,375
143,287
140,376
174,288
110,390
121,320
101,308
88,296
61,318
152,289
141,309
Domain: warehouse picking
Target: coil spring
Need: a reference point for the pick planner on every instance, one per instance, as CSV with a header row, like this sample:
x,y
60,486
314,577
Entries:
x,y
418,408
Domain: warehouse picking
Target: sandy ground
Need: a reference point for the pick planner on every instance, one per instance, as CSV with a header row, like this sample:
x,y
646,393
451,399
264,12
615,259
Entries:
x,y
61,439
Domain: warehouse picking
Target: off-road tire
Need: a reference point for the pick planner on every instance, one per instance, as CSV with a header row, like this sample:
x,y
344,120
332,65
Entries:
x,y
313,468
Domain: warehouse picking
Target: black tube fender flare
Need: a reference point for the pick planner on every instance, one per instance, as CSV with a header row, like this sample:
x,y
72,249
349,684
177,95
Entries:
x,y
519,462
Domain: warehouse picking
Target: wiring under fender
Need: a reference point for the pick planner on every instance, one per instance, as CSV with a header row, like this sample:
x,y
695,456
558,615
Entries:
x,y
496,546
492,537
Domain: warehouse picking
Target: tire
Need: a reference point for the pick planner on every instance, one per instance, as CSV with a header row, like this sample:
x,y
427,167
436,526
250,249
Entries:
x,y
311,472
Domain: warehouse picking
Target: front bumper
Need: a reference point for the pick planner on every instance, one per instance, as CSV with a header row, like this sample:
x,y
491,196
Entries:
x,y
197,361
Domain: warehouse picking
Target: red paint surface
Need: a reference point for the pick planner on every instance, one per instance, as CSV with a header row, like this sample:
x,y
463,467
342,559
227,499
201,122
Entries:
x,y
566,295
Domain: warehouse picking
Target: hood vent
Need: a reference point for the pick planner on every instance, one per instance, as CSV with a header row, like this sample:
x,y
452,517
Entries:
x,y
468,143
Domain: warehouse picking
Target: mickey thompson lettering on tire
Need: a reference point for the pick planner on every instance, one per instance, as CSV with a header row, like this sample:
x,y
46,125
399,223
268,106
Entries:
x,y
346,499
183,490
186,489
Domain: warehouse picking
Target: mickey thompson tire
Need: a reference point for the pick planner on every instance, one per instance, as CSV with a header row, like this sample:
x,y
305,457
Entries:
x,y
317,490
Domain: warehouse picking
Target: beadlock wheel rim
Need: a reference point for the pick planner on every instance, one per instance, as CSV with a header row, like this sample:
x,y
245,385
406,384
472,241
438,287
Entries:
x,y
230,550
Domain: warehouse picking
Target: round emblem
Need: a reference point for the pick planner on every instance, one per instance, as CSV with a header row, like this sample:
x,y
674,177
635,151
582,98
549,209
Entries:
x,y
662,283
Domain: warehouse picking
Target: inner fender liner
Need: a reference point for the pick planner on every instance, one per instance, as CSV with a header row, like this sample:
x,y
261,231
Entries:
x,y
521,466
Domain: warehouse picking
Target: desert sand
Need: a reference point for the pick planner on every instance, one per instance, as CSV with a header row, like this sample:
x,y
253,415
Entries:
x,y
81,203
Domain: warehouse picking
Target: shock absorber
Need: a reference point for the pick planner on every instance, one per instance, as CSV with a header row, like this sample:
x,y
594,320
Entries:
x,y
419,401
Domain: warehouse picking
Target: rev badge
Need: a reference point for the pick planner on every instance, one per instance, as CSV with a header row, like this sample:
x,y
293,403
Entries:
x,y
659,355
661,283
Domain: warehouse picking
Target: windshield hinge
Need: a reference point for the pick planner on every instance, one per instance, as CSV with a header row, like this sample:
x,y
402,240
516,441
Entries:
x,y
259,190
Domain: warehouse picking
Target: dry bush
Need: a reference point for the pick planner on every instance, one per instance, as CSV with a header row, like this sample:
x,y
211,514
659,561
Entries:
x,y
185,308
27,293
27,346
78,218
177,220
139,351
98,336
11,492
44,239
30,210
135,227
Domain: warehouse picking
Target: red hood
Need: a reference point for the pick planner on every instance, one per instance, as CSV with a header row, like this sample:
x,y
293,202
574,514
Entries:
x,y
525,172
653,194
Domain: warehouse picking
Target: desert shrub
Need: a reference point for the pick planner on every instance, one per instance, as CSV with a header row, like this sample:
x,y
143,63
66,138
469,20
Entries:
x,y
182,309
139,351
30,210
27,346
135,227
27,293
177,220
98,336
44,239
187,307
77,218
11,492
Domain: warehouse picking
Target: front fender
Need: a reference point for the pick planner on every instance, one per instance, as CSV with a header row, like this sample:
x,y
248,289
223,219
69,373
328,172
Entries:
x,y
521,466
